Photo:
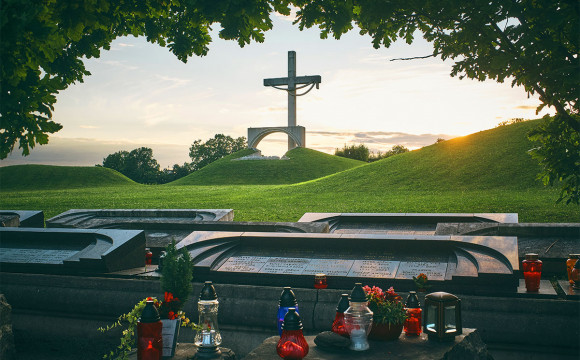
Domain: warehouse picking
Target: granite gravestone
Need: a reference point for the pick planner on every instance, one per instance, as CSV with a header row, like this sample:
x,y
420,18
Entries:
x,y
24,218
70,251
469,263
163,226
400,223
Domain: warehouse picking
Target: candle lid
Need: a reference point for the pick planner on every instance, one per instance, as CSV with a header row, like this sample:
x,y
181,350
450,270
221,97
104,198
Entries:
x,y
531,256
208,292
150,313
287,298
412,300
320,276
292,320
343,304
358,293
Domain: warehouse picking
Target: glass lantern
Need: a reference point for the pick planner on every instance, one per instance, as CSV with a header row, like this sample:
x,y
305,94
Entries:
x,y
572,259
442,316
358,319
338,325
287,301
292,344
208,337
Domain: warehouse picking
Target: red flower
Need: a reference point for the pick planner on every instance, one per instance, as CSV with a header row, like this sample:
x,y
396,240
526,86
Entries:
x,y
171,315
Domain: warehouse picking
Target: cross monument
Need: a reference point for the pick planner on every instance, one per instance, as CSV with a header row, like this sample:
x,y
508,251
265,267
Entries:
x,y
291,83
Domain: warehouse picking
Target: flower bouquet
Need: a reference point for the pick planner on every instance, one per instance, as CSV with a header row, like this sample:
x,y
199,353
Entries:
x,y
389,313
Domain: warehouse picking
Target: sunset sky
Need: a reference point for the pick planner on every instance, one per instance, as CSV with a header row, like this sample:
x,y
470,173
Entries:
x,y
139,94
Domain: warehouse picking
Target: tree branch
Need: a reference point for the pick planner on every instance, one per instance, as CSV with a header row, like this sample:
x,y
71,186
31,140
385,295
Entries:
x,y
416,57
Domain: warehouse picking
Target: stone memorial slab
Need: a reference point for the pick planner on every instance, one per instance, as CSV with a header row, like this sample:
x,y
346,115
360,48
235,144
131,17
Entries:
x,y
400,223
374,269
24,218
163,226
433,270
70,251
469,263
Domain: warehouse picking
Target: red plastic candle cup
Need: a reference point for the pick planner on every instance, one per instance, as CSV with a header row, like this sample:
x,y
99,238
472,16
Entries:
x,y
338,324
292,344
570,265
149,339
320,281
148,256
413,324
532,268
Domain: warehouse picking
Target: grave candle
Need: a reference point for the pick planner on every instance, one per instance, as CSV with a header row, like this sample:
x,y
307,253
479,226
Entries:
x,y
576,275
412,324
149,339
572,259
320,281
358,319
287,301
532,268
338,325
148,256
292,344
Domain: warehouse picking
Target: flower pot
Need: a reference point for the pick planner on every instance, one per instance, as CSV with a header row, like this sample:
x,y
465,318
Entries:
x,y
385,332
170,334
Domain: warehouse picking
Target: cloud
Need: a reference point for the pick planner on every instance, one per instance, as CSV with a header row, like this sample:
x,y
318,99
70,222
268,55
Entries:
x,y
277,108
117,63
88,127
88,152
380,140
526,107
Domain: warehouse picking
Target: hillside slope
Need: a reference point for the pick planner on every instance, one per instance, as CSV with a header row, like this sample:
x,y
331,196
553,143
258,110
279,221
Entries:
x,y
491,159
303,165
41,177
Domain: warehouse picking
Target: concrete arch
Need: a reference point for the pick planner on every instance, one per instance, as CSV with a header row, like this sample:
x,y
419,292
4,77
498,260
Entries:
x,y
296,135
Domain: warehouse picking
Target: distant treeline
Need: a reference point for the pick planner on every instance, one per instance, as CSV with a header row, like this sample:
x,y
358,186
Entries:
x,y
139,164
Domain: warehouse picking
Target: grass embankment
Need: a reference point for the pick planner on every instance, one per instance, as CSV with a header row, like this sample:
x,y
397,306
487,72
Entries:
x,y
45,177
488,171
302,165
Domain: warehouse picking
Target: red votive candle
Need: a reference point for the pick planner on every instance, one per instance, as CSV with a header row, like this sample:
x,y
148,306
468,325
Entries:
x,y
320,281
413,323
532,268
148,256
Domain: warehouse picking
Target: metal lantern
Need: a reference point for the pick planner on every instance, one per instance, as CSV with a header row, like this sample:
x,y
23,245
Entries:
x,y
442,316
208,337
358,319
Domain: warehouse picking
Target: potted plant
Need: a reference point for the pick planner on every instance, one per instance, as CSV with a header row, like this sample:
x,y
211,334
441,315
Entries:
x,y
422,282
176,277
389,313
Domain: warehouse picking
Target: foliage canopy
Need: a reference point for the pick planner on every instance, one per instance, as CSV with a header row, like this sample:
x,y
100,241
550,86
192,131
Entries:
x,y
204,153
43,45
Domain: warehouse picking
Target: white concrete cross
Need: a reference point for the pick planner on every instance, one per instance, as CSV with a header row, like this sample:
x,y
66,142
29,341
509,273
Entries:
x,y
291,81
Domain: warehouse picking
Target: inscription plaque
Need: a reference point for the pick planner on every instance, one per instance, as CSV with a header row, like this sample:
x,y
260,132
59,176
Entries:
x,y
278,265
251,264
433,270
330,267
374,269
35,256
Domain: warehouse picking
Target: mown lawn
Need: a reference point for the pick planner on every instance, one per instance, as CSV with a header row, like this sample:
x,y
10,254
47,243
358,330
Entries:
x,y
289,202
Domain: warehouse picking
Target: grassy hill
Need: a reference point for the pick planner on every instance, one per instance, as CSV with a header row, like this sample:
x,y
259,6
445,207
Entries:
x,y
42,177
303,164
489,171
491,159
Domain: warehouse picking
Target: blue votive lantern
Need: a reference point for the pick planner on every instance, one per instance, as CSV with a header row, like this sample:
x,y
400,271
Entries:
x,y
287,301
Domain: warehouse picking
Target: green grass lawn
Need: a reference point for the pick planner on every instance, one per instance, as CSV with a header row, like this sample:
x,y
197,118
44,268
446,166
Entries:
x,y
302,165
486,172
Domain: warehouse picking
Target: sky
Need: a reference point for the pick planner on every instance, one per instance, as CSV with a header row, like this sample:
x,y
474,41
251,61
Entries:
x,y
139,94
